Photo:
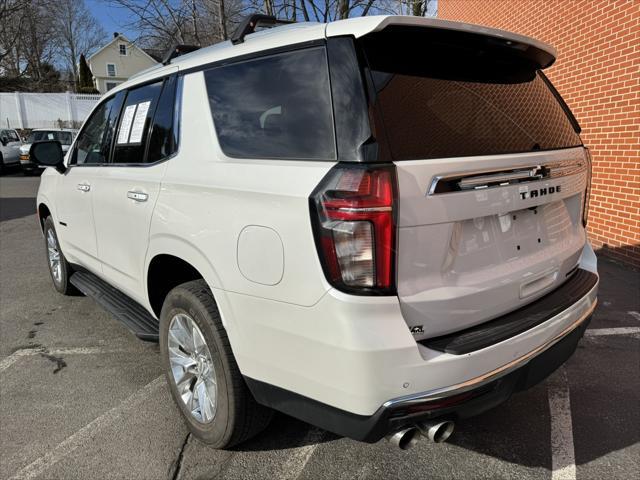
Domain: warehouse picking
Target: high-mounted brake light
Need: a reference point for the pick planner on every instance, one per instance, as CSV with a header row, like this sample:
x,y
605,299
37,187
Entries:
x,y
353,215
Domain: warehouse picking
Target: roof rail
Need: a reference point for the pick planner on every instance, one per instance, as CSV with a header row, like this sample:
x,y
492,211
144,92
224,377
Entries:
x,y
251,22
176,51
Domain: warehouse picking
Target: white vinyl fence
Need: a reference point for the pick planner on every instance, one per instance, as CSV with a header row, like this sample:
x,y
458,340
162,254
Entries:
x,y
44,110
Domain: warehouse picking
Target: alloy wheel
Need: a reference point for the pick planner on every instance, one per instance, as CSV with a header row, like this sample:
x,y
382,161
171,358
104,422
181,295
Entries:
x,y
192,368
55,260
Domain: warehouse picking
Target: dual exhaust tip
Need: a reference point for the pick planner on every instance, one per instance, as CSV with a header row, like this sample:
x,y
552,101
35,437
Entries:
x,y
437,431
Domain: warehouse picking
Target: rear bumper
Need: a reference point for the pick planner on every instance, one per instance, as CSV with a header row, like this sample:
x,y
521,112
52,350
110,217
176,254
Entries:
x,y
458,402
349,357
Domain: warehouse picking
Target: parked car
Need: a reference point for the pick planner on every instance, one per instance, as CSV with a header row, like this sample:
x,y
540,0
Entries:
x,y
316,219
10,143
63,135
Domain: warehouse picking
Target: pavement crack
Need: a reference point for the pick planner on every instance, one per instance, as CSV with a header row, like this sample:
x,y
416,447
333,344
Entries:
x,y
60,363
178,462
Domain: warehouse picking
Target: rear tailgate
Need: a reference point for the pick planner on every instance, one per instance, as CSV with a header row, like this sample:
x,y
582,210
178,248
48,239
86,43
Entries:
x,y
491,172
468,256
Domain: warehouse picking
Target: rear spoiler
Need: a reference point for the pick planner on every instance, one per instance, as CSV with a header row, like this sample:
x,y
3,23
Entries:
x,y
542,53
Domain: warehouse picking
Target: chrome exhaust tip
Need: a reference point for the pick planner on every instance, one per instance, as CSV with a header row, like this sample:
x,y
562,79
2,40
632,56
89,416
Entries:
x,y
405,439
437,431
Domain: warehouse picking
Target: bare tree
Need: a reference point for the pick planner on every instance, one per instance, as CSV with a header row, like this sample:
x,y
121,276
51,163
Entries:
x,y
418,8
324,10
26,49
76,32
12,13
162,23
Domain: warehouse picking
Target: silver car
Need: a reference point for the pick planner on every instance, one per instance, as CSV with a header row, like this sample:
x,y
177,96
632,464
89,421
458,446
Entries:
x,y
10,143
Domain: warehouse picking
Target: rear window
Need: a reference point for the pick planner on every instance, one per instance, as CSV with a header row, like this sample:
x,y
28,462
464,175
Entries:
x,y
451,100
65,138
277,106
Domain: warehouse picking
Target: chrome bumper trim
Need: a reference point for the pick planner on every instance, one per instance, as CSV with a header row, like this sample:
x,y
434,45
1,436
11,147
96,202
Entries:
x,y
499,372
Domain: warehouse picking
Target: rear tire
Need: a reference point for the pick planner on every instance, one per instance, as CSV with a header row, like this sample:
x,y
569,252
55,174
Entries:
x,y
59,268
201,360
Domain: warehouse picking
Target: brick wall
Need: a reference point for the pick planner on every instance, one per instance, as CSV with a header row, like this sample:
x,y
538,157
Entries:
x,y
598,73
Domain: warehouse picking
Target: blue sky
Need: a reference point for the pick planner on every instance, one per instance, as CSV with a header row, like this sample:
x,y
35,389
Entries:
x,y
112,19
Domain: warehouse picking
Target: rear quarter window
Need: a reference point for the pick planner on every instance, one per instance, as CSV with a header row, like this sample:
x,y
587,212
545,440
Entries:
x,y
278,106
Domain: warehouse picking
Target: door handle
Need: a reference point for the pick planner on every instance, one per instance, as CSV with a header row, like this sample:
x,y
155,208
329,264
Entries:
x,y
84,187
137,196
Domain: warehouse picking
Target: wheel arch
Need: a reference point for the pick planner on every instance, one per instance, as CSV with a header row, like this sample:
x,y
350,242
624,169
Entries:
x,y
43,212
170,262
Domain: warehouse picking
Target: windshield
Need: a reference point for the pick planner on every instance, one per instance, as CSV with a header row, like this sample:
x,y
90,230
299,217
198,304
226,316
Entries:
x,y
65,138
441,99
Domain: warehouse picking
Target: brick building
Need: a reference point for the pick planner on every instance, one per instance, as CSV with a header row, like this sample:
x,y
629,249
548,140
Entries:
x,y
598,74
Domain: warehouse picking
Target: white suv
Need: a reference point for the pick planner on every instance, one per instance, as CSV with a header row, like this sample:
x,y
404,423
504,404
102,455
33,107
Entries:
x,y
375,225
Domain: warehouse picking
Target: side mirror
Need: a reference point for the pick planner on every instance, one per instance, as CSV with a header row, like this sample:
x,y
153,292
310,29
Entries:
x,y
48,153
4,141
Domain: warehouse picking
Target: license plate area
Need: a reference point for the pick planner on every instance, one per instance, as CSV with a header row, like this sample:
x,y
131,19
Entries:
x,y
495,239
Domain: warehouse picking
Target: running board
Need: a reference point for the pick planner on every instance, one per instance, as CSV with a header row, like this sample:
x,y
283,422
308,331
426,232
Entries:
x,y
134,316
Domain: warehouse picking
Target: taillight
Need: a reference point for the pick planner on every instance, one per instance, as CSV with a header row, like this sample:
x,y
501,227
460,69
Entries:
x,y
587,192
353,213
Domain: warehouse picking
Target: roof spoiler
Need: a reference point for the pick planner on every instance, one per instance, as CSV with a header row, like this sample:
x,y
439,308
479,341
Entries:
x,y
543,54
176,51
249,24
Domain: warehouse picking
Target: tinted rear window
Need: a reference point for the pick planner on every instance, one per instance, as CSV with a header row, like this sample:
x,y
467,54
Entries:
x,y
442,100
274,107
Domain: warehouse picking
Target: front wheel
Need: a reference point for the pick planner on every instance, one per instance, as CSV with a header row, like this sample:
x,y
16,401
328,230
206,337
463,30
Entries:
x,y
59,268
202,372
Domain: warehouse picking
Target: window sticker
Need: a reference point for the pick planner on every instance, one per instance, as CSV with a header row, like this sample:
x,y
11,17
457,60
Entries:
x,y
125,125
137,129
49,136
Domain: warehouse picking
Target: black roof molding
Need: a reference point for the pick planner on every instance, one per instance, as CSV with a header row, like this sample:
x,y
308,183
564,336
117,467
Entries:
x,y
251,22
176,51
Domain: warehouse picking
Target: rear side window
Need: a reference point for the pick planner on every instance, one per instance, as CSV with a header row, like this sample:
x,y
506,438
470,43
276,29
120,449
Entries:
x,y
274,107
454,100
135,120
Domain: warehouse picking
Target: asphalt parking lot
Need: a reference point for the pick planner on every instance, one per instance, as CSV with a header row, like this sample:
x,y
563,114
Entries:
x,y
81,397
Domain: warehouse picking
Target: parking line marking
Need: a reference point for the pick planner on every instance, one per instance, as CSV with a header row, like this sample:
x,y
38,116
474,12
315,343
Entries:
x,y
563,462
27,352
613,331
635,315
84,435
14,357
295,464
